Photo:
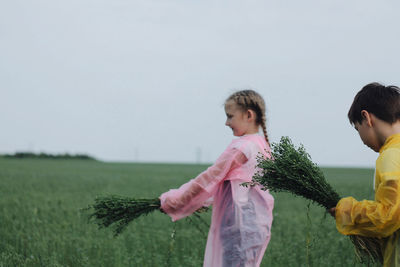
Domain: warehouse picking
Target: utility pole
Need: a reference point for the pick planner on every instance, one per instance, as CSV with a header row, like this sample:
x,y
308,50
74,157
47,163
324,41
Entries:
x,y
198,155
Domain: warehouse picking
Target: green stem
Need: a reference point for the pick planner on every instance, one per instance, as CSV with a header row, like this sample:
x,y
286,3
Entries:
x,y
308,237
171,244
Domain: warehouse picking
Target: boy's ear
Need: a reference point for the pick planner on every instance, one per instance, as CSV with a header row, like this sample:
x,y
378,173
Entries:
x,y
367,117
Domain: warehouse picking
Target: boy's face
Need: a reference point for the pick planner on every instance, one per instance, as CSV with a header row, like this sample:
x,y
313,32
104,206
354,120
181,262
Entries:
x,y
368,135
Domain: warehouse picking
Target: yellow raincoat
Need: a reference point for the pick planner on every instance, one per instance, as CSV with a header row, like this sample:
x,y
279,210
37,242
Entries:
x,y
379,218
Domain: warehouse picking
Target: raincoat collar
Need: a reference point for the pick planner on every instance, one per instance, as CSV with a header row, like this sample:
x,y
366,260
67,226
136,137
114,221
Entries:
x,y
391,140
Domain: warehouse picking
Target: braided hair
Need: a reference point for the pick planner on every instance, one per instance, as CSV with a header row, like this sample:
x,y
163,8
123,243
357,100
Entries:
x,y
249,99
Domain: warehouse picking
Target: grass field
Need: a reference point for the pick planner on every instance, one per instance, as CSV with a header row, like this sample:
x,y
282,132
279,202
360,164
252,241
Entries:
x,y
41,223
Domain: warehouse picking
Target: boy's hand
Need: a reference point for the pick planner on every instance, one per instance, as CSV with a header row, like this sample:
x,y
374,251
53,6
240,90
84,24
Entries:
x,y
332,211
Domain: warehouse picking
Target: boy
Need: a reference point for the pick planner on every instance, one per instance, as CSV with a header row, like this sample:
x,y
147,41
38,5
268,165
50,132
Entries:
x,y
375,114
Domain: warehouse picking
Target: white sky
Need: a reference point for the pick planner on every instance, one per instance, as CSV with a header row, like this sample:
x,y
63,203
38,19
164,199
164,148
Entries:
x,y
145,80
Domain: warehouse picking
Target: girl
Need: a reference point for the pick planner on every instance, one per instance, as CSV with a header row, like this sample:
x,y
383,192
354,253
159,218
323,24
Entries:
x,y
242,216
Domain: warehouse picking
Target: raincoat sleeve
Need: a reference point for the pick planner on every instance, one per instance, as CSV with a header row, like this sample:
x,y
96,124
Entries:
x,y
379,218
181,202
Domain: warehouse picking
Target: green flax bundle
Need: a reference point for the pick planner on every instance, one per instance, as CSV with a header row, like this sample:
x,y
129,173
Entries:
x,y
117,212
291,170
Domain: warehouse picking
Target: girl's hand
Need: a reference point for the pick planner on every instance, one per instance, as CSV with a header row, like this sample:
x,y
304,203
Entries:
x,y
170,205
332,211
202,209
160,207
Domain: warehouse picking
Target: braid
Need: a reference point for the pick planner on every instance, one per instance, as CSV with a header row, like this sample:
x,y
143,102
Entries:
x,y
249,99
264,128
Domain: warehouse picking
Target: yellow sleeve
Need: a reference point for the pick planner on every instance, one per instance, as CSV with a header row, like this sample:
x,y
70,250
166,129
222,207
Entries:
x,y
379,218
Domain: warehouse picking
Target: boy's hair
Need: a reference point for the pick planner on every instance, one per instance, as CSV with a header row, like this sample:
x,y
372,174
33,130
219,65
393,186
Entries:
x,y
249,99
382,101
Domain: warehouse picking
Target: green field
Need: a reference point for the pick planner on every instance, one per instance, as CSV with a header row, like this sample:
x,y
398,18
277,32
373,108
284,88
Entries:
x,y
41,223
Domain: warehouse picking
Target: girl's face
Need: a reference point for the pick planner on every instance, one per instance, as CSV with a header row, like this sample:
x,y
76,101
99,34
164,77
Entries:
x,y
240,122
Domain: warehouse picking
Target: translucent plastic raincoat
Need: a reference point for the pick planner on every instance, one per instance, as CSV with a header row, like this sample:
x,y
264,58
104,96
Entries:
x,y
379,218
241,217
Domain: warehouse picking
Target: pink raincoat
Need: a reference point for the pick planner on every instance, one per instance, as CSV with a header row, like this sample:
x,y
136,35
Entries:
x,y
242,216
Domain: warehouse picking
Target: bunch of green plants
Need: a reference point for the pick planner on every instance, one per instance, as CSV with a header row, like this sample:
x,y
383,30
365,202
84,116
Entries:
x,y
290,169
117,212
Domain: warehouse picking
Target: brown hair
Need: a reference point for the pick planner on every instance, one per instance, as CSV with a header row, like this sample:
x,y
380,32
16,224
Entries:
x,y
382,101
249,99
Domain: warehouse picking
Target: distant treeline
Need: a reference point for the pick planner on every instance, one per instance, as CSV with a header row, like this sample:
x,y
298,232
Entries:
x,y
30,155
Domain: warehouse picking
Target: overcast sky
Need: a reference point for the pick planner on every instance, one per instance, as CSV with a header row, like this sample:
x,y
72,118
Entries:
x,y
146,80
